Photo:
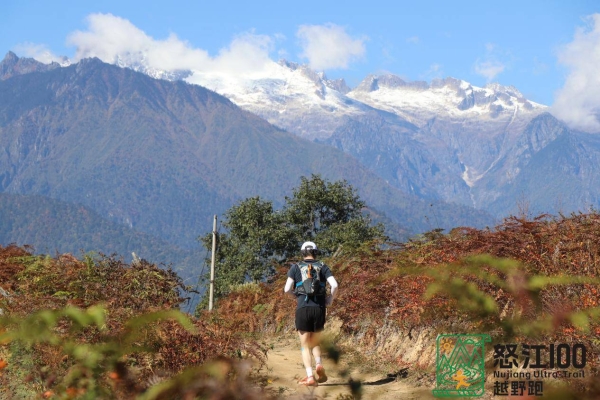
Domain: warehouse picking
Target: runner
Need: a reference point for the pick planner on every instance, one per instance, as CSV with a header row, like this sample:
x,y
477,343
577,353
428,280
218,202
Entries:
x,y
311,308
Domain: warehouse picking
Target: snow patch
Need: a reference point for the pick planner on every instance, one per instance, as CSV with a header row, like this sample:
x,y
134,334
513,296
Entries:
x,y
304,101
467,177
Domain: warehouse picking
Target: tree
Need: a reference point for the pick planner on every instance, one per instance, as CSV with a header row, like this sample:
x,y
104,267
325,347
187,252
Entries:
x,y
259,237
256,236
317,205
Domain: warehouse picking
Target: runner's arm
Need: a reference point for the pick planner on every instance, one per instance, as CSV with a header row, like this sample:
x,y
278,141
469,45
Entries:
x,y
334,287
289,284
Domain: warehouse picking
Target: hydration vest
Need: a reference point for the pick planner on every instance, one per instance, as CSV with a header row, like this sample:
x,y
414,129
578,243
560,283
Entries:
x,y
311,285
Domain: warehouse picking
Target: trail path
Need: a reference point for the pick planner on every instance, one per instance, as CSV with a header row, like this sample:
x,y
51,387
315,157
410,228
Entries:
x,y
285,368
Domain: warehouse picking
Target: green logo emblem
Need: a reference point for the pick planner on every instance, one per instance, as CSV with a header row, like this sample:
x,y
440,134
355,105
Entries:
x,y
460,369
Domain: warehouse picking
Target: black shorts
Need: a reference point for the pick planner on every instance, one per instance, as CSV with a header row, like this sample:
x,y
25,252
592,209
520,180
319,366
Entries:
x,y
310,319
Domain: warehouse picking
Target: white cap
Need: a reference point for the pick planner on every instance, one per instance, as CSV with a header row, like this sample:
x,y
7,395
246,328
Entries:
x,y
308,244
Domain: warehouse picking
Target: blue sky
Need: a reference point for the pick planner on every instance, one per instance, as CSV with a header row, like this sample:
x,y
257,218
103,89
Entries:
x,y
515,43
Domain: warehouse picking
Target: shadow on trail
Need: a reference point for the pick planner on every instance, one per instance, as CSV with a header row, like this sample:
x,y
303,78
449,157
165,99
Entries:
x,y
403,373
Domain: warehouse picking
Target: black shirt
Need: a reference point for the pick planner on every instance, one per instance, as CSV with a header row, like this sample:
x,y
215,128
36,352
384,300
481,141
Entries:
x,y
296,275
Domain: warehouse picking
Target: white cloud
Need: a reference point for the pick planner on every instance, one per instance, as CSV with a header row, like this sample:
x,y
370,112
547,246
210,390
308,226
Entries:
x,y
116,40
489,69
38,51
329,46
111,38
490,65
247,52
578,102
413,40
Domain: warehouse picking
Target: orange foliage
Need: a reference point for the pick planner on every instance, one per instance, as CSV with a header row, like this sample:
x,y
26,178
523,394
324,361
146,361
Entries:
x,y
35,283
374,290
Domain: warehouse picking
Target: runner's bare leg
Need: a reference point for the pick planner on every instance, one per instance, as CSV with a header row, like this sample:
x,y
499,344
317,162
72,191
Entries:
x,y
315,341
305,342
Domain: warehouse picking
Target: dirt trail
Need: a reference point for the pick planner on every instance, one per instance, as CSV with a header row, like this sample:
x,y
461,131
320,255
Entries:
x,y
285,368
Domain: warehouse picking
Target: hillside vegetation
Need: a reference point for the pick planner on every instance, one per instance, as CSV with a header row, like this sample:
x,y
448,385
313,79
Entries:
x,y
526,279
534,279
99,328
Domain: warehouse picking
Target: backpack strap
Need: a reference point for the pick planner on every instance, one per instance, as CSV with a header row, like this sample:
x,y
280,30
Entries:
x,y
298,284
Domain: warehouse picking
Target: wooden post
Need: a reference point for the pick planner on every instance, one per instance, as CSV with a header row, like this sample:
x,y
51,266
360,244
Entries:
x,y
212,265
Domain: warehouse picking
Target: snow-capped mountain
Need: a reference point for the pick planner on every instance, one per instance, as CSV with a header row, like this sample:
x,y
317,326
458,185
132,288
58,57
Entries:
x,y
298,99
161,157
137,62
475,130
450,98
303,101
446,139
459,131
288,95
470,127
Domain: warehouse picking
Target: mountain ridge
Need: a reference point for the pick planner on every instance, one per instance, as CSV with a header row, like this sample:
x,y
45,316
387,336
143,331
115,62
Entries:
x,y
52,225
163,157
447,140
469,127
